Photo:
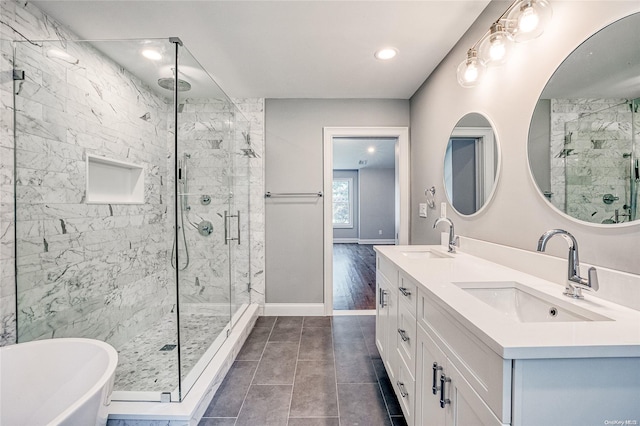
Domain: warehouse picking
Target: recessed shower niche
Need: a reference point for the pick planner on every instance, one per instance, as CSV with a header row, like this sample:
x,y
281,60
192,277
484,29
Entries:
x,y
113,181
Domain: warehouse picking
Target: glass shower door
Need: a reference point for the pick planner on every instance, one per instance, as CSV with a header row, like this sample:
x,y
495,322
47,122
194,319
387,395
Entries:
x,y
204,185
240,244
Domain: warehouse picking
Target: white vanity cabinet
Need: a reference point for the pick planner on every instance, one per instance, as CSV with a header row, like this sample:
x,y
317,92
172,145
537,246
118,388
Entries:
x,y
445,363
386,312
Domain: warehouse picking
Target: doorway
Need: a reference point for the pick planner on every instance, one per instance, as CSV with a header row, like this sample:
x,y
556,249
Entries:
x,y
366,182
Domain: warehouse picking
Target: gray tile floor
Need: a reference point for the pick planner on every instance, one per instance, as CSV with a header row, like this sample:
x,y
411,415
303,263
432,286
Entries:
x,y
307,371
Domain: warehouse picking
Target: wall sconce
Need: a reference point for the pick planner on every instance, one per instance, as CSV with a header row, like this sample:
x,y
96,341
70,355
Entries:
x,y
524,20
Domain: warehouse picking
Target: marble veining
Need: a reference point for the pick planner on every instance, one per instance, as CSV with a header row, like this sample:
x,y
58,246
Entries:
x,y
103,271
589,140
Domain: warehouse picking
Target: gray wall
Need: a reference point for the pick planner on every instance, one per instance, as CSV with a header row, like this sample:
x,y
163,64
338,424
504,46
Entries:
x,y
351,233
294,163
377,204
518,214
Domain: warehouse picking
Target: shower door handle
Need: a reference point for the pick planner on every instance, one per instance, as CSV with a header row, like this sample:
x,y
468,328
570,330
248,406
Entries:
x,y
227,216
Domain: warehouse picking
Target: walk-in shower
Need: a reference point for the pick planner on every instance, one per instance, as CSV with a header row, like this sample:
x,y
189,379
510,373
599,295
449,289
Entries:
x,y
599,169
123,186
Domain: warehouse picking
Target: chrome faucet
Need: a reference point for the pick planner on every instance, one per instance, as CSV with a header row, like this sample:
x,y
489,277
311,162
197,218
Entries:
x,y
575,283
453,239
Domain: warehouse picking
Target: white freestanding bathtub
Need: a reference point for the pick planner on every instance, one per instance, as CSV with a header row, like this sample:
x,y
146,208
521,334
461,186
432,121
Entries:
x,y
56,382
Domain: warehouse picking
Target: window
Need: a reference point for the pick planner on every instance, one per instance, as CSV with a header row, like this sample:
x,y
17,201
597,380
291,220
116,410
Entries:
x,y
343,203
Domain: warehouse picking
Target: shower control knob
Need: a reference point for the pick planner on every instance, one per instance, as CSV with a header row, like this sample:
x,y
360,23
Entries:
x,y
205,228
205,199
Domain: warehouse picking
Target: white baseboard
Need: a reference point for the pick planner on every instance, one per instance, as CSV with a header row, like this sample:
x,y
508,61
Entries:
x,y
345,241
294,309
337,313
361,241
376,241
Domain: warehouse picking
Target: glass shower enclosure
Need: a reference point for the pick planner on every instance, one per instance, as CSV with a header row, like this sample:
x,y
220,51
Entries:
x,y
599,164
131,206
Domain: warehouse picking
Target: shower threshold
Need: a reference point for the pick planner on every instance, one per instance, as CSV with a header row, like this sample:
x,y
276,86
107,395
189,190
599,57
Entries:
x,y
192,407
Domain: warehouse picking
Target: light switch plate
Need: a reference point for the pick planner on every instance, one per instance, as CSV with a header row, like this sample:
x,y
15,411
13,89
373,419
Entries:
x,y
423,209
443,209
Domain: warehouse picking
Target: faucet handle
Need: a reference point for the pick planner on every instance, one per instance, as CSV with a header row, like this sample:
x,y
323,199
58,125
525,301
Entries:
x,y
456,241
593,279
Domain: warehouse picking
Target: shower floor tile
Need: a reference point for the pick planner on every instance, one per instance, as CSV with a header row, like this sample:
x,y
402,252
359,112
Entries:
x,y
143,366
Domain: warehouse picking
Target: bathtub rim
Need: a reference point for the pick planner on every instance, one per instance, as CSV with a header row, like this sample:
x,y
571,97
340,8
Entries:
x,y
98,386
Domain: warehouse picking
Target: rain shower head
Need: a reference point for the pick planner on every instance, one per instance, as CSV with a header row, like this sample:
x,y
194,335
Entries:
x,y
168,83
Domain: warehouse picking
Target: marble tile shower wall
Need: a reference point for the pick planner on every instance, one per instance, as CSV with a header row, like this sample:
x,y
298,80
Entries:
x,y
590,136
234,182
20,21
17,22
207,137
88,270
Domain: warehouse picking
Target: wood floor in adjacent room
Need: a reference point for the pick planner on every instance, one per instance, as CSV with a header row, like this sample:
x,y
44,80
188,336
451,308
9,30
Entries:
x,y
354,277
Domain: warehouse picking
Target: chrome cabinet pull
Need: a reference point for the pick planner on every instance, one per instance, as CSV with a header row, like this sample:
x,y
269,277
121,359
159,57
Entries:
x,y
434,387
403,391
444,379
404,291
382,301
403,334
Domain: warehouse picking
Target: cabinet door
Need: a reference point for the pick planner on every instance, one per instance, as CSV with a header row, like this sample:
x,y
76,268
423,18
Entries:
x,y
430,365
458,404
382,315
386,323
392,359
465,406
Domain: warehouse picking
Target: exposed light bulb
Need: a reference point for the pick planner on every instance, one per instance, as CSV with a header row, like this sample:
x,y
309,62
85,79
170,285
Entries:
x,y
470,70
495,46
371,150
528,20
498,50
471,73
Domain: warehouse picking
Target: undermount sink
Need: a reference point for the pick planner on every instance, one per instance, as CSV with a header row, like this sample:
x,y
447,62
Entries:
x,y
425,254
525,304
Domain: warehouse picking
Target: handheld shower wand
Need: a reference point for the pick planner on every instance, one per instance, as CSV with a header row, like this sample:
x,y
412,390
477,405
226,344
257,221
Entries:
x,y
182,193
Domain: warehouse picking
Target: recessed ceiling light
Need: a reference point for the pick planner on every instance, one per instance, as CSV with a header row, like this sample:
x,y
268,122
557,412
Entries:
x,y
386,53
154,55
371,149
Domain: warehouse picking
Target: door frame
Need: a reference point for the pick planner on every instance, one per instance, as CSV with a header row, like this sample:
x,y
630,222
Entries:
x,y
402,191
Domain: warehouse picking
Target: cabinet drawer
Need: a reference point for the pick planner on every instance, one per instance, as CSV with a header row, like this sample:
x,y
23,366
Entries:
x,y
408,292
486,372
404,385
388,270
406,337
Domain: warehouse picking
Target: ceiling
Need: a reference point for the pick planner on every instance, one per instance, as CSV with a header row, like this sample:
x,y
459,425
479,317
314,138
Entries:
x,y
289,49
354,154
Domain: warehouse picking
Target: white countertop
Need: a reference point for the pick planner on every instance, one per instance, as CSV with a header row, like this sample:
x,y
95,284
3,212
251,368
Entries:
x,y
511,339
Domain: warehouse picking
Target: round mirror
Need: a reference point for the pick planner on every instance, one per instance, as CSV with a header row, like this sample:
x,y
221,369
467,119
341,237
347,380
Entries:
x,y
585,132
471,164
